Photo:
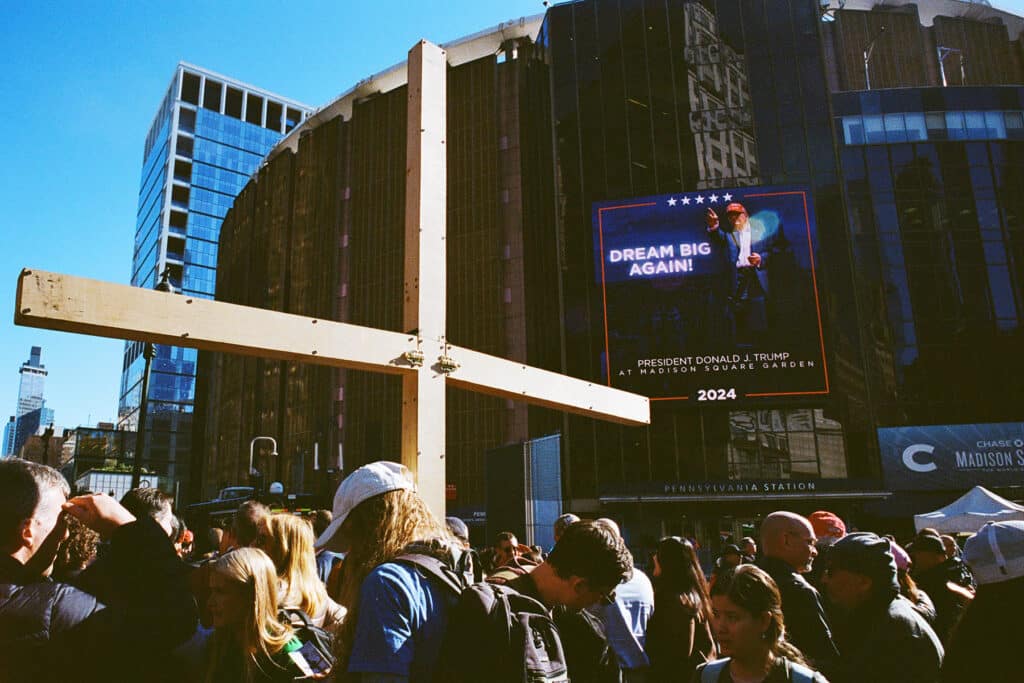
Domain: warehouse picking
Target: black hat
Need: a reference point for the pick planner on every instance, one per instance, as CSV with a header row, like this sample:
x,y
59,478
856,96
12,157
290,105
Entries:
x,y
866,554
927,543
731,549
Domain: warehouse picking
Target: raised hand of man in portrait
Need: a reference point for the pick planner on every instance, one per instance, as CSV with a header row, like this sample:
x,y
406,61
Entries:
x,y
712,219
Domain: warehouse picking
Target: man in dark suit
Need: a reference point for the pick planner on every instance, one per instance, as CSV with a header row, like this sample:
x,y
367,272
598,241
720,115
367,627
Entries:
x,y
741,260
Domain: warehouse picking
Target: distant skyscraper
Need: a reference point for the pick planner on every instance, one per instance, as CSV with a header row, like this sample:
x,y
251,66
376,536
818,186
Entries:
x,y
209,135
7,445
30,411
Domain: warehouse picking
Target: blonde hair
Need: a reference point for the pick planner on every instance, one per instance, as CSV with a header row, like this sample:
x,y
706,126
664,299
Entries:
x,y
379,530
260,636
289,543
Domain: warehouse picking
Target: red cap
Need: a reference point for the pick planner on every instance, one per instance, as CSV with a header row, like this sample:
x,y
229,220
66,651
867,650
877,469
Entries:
x,y
826,524
735,207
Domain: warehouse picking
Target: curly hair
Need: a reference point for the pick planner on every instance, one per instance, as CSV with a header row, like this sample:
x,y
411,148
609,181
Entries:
x,y
77,551
378,530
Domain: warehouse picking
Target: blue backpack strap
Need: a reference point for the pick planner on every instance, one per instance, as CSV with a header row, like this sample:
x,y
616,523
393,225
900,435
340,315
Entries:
x,y
798,673
712,670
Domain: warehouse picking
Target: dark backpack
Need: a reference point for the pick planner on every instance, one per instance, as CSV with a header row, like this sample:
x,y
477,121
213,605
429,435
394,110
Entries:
x,y
317,644
530,648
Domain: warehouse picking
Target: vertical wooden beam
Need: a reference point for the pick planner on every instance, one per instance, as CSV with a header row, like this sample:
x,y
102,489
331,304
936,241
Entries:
x,y
423,393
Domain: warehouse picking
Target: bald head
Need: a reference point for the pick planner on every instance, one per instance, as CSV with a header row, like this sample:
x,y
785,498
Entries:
x,y
789,537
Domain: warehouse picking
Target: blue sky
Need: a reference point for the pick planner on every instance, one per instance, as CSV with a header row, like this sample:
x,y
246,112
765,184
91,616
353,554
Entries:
x,y
81,83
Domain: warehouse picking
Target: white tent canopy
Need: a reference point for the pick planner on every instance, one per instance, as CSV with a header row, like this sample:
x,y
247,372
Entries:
x,y
969,513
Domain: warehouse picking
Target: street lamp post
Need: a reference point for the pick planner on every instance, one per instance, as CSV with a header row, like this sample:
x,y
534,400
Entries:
x,y
148,352
253,472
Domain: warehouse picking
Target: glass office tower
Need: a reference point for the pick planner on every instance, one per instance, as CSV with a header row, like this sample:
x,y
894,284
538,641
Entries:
x,y
209,135
32,412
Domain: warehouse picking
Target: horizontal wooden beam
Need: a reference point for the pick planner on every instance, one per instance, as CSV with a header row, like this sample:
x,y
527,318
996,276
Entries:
x,y
500,377
75,304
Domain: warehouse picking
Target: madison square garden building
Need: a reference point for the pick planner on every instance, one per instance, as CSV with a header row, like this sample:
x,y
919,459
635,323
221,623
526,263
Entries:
x,y
585,149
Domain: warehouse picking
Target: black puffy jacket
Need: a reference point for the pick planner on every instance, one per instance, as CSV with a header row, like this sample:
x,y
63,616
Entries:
x,y
52,631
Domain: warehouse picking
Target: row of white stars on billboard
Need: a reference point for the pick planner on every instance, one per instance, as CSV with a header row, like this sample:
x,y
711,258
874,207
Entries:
x,y
699,199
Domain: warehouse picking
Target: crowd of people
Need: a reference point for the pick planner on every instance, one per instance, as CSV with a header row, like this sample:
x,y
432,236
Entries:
x,y
379,590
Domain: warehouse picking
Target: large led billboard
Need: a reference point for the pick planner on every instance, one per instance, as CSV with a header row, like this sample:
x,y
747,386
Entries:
x,y
711,296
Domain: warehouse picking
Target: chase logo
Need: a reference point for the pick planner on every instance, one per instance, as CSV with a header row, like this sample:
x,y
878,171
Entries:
x,y
911,464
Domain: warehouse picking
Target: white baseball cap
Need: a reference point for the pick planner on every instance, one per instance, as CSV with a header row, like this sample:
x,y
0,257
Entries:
x,y
365,483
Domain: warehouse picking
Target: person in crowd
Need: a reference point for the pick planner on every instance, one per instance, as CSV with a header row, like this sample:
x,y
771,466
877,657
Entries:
x,y
468,563
919,599
325,559
152,502
245,527
787,552
749,626
730,558
958,571
288,541
506,549
679,632
243,533
562,523
249,643
183,538
214,536
828,528
935,576
50,630
749,547
510,559
586,565
882,638
989,631
188,545
396,615
827,525
76,553
626,619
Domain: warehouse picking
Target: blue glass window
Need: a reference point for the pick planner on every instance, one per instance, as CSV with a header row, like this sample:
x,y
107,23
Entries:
x,y
955,125
1014,125
874,129
853,130
916,128
995,126
975,123
895,129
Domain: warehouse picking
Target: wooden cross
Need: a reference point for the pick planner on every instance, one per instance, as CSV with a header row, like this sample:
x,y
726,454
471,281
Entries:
x,y
423,357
